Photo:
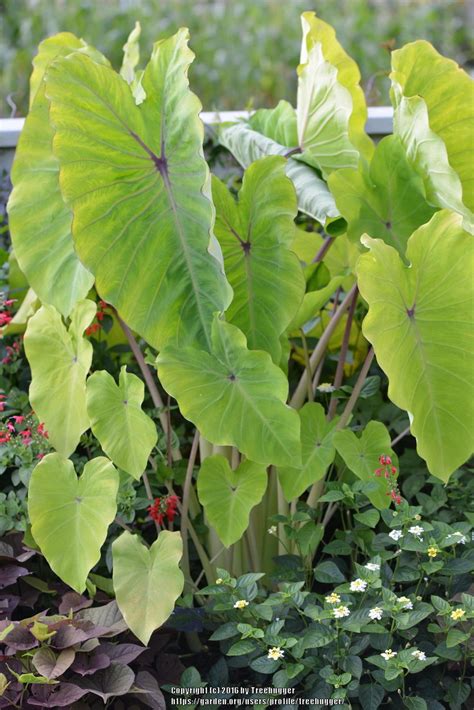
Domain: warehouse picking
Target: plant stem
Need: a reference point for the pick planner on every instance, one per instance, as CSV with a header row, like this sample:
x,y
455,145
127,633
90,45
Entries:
x,y
324,248
185,505
150,383
123,525
356,391
343,354
318,353
308,367
401,436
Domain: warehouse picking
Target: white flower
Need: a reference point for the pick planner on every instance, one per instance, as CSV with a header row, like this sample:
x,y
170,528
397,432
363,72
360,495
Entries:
x,y
333,598
372,566
219,580
241,604
358,585
376,613
395,534
419,655
275,653
406,603
325,387
416,530
272,530
341,611
461,538
388,654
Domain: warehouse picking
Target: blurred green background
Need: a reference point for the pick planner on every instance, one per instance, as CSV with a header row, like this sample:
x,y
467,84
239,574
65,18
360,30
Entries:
x,y
247,50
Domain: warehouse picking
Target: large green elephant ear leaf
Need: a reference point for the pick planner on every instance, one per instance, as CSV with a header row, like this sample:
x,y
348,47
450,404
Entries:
x,y
40,222
147,582
317,452
418,70
60,359
235,396
420,322
387,201
361,456
228,496
256,235
126,434
314,196
143,217
70,516
348,75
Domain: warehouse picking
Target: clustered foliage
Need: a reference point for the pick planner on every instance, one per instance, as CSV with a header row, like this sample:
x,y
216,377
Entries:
x,y
332,258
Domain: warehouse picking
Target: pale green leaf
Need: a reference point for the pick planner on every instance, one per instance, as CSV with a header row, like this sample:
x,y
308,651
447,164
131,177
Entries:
x,y
387,201
348,74
139,192
424,149
126,434
228,496
323,111
40,222
448,92
235,396
147,581
420,323
70,516
317,452
313,301
277,123
314,197
255,235
60,359
361,456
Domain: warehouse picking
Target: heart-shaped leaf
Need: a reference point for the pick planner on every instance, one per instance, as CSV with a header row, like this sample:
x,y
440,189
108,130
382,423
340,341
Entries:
x,y
228,496
51,665
40,222
60,359
317,452
109,682
236,397
147,582
255,235
361,456
126,434
139,192
420,323
70,516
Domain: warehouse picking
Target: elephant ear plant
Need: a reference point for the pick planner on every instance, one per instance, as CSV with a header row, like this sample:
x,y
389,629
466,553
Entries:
x,y
333,250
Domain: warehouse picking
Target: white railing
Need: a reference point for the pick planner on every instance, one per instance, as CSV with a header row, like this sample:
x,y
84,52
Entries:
x,y
379,123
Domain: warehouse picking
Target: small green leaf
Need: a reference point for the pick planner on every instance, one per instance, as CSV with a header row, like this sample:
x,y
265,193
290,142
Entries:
x,y
228,496
370,518
126,434
371,695
455,637
60,359
242,648
361,456
328,573
317,450
147,582
70,516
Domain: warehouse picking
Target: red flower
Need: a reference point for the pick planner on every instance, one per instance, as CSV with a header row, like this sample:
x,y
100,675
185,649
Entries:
x,y
18,419
4,437
41,430
161,507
